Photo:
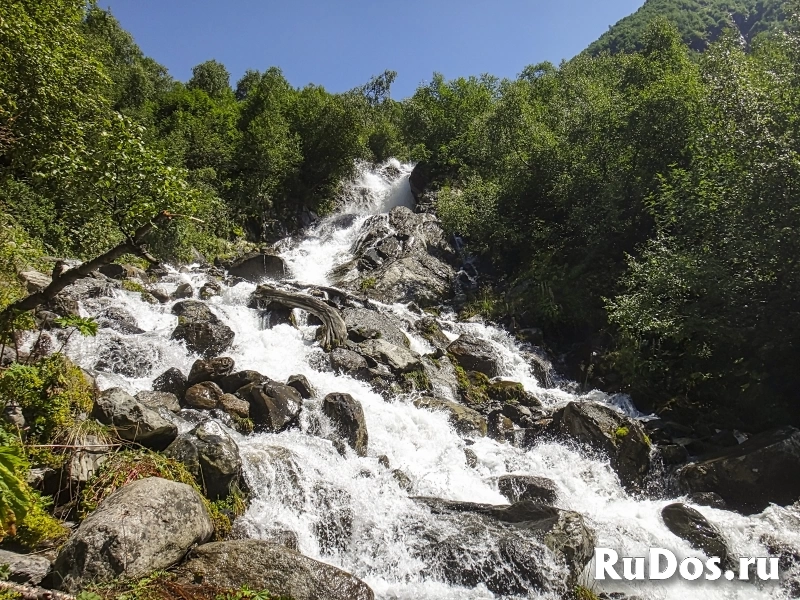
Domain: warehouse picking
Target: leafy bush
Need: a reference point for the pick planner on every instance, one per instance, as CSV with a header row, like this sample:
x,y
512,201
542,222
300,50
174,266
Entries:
x,y
51,393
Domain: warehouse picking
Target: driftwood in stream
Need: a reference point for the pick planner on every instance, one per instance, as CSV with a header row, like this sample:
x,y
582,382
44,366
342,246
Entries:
x,y
335,330
62,279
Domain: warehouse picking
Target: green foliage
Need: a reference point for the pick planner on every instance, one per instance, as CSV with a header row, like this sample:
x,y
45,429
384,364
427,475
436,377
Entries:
x,y
367,284
51,393
163,586
15,499
417,381
39,528
10,595
84,325
700,22
584,593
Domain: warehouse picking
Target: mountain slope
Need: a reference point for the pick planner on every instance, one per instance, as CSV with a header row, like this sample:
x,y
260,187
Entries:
x,y
699,21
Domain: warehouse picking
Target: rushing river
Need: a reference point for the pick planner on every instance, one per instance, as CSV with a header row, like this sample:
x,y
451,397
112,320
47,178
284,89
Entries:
x,y
299,480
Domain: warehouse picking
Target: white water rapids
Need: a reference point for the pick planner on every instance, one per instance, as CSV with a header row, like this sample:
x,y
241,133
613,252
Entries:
x,y
387,526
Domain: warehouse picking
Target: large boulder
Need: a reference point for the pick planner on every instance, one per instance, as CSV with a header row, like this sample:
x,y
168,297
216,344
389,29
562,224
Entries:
x,y
398,358
350,363
365,324
258,266
133,421
203,396
401,257
119,319
156,400
603,428
142,527
688,524
211,456
765,469
28,569
475,354
510,549
210,370
171,381
274,406
232,383
302,385
201,329
347,416
527,487
262,565
464,420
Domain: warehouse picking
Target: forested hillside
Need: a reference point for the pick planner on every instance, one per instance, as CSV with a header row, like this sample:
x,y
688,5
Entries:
x,y
699,22
643,204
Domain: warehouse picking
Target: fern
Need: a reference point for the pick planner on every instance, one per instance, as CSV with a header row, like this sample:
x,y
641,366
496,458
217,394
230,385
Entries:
x,y
14,498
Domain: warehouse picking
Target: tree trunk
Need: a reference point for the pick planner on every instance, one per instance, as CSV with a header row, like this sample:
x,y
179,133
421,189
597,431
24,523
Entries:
x,y
335,330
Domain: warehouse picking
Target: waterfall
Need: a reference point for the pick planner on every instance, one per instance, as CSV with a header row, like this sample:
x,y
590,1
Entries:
x,y
350,511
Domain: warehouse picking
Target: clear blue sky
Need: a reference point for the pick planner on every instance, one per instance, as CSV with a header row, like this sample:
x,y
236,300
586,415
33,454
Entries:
x,y
341,43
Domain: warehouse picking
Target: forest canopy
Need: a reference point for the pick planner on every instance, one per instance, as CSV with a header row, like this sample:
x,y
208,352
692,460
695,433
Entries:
x,y
641,197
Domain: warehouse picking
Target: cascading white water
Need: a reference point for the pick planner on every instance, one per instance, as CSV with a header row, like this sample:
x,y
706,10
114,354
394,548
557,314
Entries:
x,y
300,482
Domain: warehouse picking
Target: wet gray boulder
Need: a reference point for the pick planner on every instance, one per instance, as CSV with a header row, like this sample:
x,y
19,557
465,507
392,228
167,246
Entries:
x,y
463,419
527,487
156,400
171,381
183,291
350,363
263,565
274,406
211,456
210,369
203,396
429,328
347,416
401,257
133,421
365,324
257,266
398,358
302,385
202,331
232,383
234,406
119,319
28,569
688,524
506,548
475,354
604,429
145,526
210,289
765,469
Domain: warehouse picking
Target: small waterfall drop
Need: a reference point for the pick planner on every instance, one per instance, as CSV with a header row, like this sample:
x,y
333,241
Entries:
x,y
349,511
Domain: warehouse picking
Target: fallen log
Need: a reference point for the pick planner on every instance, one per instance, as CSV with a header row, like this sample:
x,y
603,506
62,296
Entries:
x,y
334,328
31,592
